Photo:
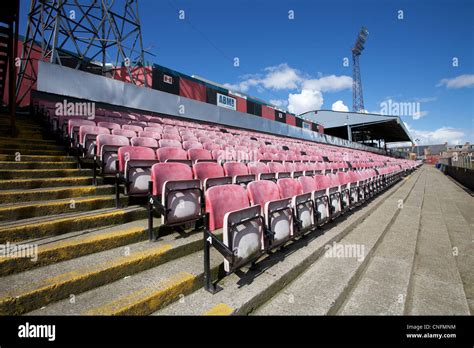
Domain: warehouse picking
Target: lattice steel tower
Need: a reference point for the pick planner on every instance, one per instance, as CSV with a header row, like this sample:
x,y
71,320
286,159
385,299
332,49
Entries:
x,y
92,35
357,96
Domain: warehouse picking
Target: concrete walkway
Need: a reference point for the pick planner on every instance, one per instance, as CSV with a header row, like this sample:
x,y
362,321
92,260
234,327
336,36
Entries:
x,y
419,263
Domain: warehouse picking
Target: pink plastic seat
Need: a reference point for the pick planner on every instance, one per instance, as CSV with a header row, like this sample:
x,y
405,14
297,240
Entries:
x,y
239,173
153,128
170,143
135,163
180,195
150,134
199,154
278,212
187,145
210,174
261,170
146,142
171,153
107,148
132,127
171,136
235,168
108,125
87,139
289,187
124,132
73,129
308,184
279,169
228,208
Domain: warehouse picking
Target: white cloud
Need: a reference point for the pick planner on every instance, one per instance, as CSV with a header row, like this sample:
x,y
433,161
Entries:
x,y
242,86
279,102
419,114
331,83
426,99
441,135
275,77
339,106
458,81
281,77
307,100
284,77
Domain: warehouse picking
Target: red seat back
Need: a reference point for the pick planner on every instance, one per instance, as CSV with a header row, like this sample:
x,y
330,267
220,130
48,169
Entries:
x,y
262,191
289,187
199,154
235,168
170,143
322,181
124,132
128,153
206,170
146,142
257,168
171,171
308,184
223,199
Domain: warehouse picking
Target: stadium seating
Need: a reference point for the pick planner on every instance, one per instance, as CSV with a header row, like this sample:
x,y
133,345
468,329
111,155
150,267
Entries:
x,y
108,146
134,164
197,155
87,140
165,154
277,211
227,207
301,203
174,193
263,190
239,173
210,174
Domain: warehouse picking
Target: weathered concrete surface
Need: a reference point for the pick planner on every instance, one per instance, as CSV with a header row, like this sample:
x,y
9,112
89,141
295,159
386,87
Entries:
x,y
246,291
437,287
422,265
323,287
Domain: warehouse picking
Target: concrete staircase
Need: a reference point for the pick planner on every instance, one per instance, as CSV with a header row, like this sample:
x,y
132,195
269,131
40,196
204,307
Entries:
x,y
93,258
410,270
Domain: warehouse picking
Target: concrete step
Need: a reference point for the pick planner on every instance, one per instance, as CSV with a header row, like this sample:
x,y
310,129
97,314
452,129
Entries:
x,y
52,193
383,287
63,223
18,140
23,131
321,290
26,291
248,289
457,207
71,245
9,165
6,174
20,146
436,285
17,184
31,152
138,294
19,211
37,158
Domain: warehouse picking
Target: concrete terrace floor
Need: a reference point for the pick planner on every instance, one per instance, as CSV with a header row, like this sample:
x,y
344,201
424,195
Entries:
x,y
423,263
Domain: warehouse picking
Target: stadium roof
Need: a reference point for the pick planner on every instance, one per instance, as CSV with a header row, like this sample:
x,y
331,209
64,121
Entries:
x,y
369,126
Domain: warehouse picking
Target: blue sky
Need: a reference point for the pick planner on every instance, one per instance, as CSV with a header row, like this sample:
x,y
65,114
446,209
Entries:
x,y
298,63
